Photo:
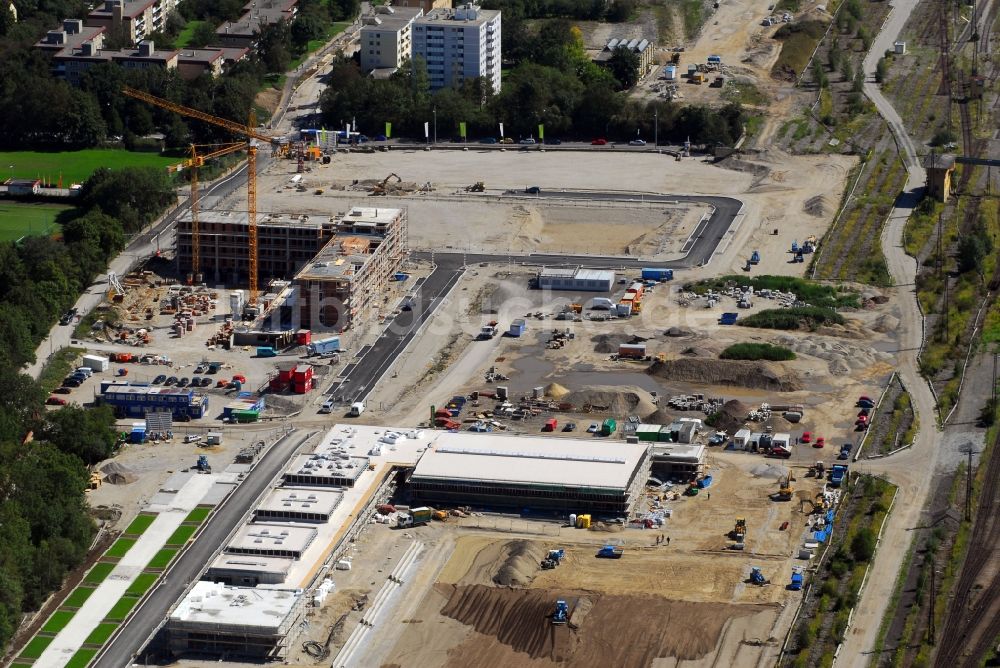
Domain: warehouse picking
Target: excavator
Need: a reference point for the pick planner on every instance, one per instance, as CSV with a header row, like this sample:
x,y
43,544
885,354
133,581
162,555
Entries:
x,y
381,189
476,187
784,492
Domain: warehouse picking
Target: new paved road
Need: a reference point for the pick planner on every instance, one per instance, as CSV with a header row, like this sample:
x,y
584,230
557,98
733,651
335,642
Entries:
x,y
148,617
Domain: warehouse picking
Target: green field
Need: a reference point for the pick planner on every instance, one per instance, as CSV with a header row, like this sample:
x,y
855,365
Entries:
x,y
198,515
78,597
34,649
122,608
74,166
142,584
182,535
140,524
162,558
25,219
121,546
97,574
185,35
81,659
101,633
58,621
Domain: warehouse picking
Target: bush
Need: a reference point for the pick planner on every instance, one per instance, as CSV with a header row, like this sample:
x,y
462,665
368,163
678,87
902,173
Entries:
x,y
796,317
863,544
817,294
757,351
942,137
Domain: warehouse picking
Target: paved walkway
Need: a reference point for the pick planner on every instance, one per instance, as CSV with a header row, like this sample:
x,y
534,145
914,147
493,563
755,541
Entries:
x,y
109,592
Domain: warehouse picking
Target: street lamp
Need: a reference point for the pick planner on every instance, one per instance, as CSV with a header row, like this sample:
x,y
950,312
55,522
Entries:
x,y
435,125
656,126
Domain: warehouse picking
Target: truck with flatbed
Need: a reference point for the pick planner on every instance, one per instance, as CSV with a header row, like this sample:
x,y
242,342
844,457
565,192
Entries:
x,y
416,517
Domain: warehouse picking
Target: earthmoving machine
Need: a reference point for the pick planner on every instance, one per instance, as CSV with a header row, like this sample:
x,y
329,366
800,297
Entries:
x,y
561,614
203,466
548,564
784,492
251,138
740,530
757,577
797,579
476,187
381,188
611,552
557,555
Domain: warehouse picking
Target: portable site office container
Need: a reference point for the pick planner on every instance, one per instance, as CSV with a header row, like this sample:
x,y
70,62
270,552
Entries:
x,y
781,441
550,425
635,351
741,439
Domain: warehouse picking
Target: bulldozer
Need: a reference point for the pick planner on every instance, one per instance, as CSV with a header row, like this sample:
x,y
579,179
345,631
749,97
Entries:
x,y
476,187
382,188
757,577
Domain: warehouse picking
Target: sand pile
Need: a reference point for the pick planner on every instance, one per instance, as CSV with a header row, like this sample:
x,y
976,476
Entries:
x,y
742,373
516,618
556,391
520,565
768,471
614,399
816,206
886,323
841,357
118,474
608,343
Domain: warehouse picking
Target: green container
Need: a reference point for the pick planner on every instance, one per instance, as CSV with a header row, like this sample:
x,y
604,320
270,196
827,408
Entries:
x,y
246,416
609,427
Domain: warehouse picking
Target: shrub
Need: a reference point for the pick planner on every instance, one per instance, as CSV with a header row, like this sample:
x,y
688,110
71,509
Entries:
x,y
757,351
796,317
863,544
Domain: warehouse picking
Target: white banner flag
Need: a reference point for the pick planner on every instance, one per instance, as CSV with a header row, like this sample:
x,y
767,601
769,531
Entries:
x,y
427,129
501,130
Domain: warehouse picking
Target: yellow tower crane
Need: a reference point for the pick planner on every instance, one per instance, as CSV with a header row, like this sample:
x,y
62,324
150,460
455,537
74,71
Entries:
x,y
250,133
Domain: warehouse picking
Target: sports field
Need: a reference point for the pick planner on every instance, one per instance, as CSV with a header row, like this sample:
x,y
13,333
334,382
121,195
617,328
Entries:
x,y
23,219
74,166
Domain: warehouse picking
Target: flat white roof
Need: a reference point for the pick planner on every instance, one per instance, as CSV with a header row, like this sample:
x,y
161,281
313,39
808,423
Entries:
x,y
256,609
692,451
252,563
269,536
328,465
531,460
557,272
301,500
595,275
371,214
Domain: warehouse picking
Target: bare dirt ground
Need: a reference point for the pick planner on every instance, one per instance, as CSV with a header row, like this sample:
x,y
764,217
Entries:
x,y
488,603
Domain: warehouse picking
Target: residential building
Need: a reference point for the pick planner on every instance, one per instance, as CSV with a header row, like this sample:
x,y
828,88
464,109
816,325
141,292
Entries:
x,y
641,47
345,281
386,37
425,5
459,44
75,48
213,60
131,19
245,31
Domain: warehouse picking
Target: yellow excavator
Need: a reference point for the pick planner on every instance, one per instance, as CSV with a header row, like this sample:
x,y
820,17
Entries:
x,y
784,492
380,188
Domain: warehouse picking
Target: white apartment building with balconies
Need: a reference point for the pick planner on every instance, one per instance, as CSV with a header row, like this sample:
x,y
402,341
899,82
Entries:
x,y
386,37
459,44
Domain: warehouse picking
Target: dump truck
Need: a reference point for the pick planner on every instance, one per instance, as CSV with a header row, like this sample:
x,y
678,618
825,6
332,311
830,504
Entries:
x,y
488,331
608,427
611,552
837,474
561,613
416,517
440,515
796,582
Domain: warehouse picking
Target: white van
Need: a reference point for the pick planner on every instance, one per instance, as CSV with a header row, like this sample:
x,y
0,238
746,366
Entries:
x,y
357,408
327,406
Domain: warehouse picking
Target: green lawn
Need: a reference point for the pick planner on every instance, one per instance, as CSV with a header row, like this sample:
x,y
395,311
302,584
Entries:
x,y
162,558
34,649
74,166
182,535
315,44
122,608
101,633
142,584
121,546
25,219
78,597
100,571
140,524
185,35
198,515
81,659
58,621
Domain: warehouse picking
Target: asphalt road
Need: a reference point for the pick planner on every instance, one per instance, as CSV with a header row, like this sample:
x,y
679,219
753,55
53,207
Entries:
x,y
150,615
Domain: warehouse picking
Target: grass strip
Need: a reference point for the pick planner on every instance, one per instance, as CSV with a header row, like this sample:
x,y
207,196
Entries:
x,y
181,535
198,515
99,572
140,524
58,621
163,558
78,597
101,633
143,582
120,548
81,659
121,609
34,649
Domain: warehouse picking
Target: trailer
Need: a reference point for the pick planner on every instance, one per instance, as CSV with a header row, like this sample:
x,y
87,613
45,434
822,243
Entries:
x,y
95,362
633,351
611,552
657,274
328,345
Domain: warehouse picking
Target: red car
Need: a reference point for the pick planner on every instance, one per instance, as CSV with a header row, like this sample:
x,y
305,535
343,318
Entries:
x,y
862,420
599,142
240,378
807,437
55,401
820,442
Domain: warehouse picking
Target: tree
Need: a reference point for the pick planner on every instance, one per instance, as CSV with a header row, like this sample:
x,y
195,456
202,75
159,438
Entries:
x,y
846,69
133,195
620,10
87,433
624,66
863,545
202,35
307,27
973,247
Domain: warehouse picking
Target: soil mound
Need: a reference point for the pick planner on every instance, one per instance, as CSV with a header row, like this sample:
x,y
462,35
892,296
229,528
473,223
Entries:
x,y
118,474
520,565
608,343
769,471
517,618
556,391
816,206
613,399
742,373
677,332
732,416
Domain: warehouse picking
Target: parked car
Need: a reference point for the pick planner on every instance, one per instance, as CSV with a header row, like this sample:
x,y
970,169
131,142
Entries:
x,y
159,380
637,142
206,381
599,142
183,382
864,412
528,140
593,428
381,138
820,442
807,437
223,383
195,381
361,139
72,382
62,390
552,141
533,190
201,368
66,319
488,140
170,381
570,426
506,140
240,378
55,401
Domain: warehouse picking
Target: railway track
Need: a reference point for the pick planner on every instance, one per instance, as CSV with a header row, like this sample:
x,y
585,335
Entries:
x,y
972,623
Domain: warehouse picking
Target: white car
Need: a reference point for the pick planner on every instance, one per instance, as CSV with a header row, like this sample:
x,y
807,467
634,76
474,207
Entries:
x,y
593,428
528,140
637,142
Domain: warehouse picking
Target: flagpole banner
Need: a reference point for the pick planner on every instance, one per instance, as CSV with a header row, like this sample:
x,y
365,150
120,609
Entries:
x,y
461,129
427,129
541,131
388,129
501,130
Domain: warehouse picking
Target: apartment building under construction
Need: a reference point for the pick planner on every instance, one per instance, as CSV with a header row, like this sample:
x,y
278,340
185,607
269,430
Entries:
x,y
349,278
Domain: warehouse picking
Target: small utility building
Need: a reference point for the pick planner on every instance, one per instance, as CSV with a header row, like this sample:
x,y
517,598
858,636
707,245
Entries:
x,y
580,280
567,475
